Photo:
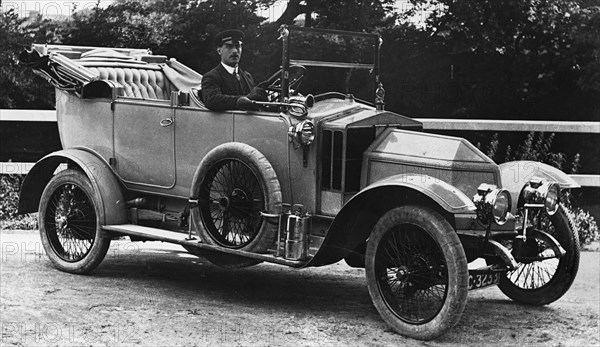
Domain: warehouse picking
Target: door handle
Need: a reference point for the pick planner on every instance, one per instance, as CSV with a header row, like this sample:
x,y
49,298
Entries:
x,y
166,122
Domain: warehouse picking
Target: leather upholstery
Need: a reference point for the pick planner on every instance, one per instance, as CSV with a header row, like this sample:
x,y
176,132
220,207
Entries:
x,y
137,83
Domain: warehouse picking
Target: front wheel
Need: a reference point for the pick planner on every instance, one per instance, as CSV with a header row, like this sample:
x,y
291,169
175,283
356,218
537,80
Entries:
x,y
417,272
69,218
544,281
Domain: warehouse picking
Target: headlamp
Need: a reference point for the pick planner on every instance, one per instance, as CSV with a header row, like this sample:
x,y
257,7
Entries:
x,y
303,133
493,204
541,194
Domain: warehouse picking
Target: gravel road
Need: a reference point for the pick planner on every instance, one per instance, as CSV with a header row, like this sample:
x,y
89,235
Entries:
x,y
156,294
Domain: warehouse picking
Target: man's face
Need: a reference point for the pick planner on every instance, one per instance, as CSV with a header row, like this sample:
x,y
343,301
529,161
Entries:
x,y
230,52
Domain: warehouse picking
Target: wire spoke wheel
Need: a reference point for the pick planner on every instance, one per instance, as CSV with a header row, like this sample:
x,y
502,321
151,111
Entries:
x,y
416,272
70,223
235,200
412,273
234,185
533,275
541,278
536,273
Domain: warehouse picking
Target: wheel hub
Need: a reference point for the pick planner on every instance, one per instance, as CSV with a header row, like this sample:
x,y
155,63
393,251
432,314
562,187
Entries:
x,y
61,222
237,196
402,273
422,273
224,203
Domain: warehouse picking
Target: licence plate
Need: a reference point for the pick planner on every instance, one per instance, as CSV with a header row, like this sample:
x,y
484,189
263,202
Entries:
x,y
482,280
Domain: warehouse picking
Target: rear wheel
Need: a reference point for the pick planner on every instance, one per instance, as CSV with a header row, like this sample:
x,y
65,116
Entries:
x,y
69,218
416,272
541,282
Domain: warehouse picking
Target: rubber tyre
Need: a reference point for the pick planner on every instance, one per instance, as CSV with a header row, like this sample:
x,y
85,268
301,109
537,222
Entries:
x,y
437,243
565,273
259,184
82,222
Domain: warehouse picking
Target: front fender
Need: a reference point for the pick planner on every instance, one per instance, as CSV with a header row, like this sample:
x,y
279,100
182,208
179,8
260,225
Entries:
x,y
104,181
353,224
444,194
515,174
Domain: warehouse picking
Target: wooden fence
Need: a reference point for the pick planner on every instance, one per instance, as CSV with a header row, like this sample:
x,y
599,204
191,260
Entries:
x,y
428,124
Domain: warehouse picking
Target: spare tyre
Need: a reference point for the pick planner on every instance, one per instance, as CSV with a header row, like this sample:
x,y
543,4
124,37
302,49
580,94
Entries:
x,y
234,185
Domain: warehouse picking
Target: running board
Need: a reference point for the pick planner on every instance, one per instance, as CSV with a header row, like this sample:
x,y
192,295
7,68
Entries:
x,y
155,234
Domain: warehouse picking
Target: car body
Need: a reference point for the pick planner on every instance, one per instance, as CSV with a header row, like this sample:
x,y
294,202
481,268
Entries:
x,y
308,181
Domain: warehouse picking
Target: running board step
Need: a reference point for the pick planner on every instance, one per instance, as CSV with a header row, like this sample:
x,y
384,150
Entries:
x,y
156,234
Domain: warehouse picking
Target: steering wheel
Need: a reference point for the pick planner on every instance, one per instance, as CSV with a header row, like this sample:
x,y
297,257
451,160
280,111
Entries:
x,y
273,84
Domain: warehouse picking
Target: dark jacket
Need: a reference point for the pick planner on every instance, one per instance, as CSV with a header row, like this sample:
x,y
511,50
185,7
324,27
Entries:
x,y
220,90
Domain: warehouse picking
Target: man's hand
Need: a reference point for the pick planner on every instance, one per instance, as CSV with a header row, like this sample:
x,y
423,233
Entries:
x,y
244,103
258,94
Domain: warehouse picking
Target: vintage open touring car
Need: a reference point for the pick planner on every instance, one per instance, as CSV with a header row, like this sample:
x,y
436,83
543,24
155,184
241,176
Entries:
x,y
305,181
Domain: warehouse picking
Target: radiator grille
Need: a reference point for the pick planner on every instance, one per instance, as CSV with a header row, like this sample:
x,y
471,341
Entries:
x,y
332,159
342,158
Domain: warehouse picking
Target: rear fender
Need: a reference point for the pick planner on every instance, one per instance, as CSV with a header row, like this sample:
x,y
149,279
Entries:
x,y
515,174
104,181
353,224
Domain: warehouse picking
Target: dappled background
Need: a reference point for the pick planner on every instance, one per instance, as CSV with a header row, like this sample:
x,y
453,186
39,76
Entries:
x,y
489,59
498,59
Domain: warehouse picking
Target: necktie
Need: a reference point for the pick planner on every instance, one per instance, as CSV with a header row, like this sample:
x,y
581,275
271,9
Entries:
x,y
239,82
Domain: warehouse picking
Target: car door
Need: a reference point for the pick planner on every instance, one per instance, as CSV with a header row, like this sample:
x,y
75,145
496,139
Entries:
x,y
197,133
144,143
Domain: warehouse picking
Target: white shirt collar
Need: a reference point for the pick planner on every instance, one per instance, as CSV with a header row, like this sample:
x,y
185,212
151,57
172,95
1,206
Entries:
x,y
230,69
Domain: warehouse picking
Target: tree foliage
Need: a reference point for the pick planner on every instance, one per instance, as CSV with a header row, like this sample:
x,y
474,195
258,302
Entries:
x,y
19,87
357,15
178,28
10,186
482,59
198,22
122,24
545,50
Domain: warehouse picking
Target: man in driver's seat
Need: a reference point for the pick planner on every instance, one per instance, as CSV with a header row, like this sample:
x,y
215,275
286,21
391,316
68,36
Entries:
x,y
227,87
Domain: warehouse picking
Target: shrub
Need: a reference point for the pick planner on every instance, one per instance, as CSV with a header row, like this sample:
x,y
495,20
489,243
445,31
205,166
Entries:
x,y
9,202
538,147
585,225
